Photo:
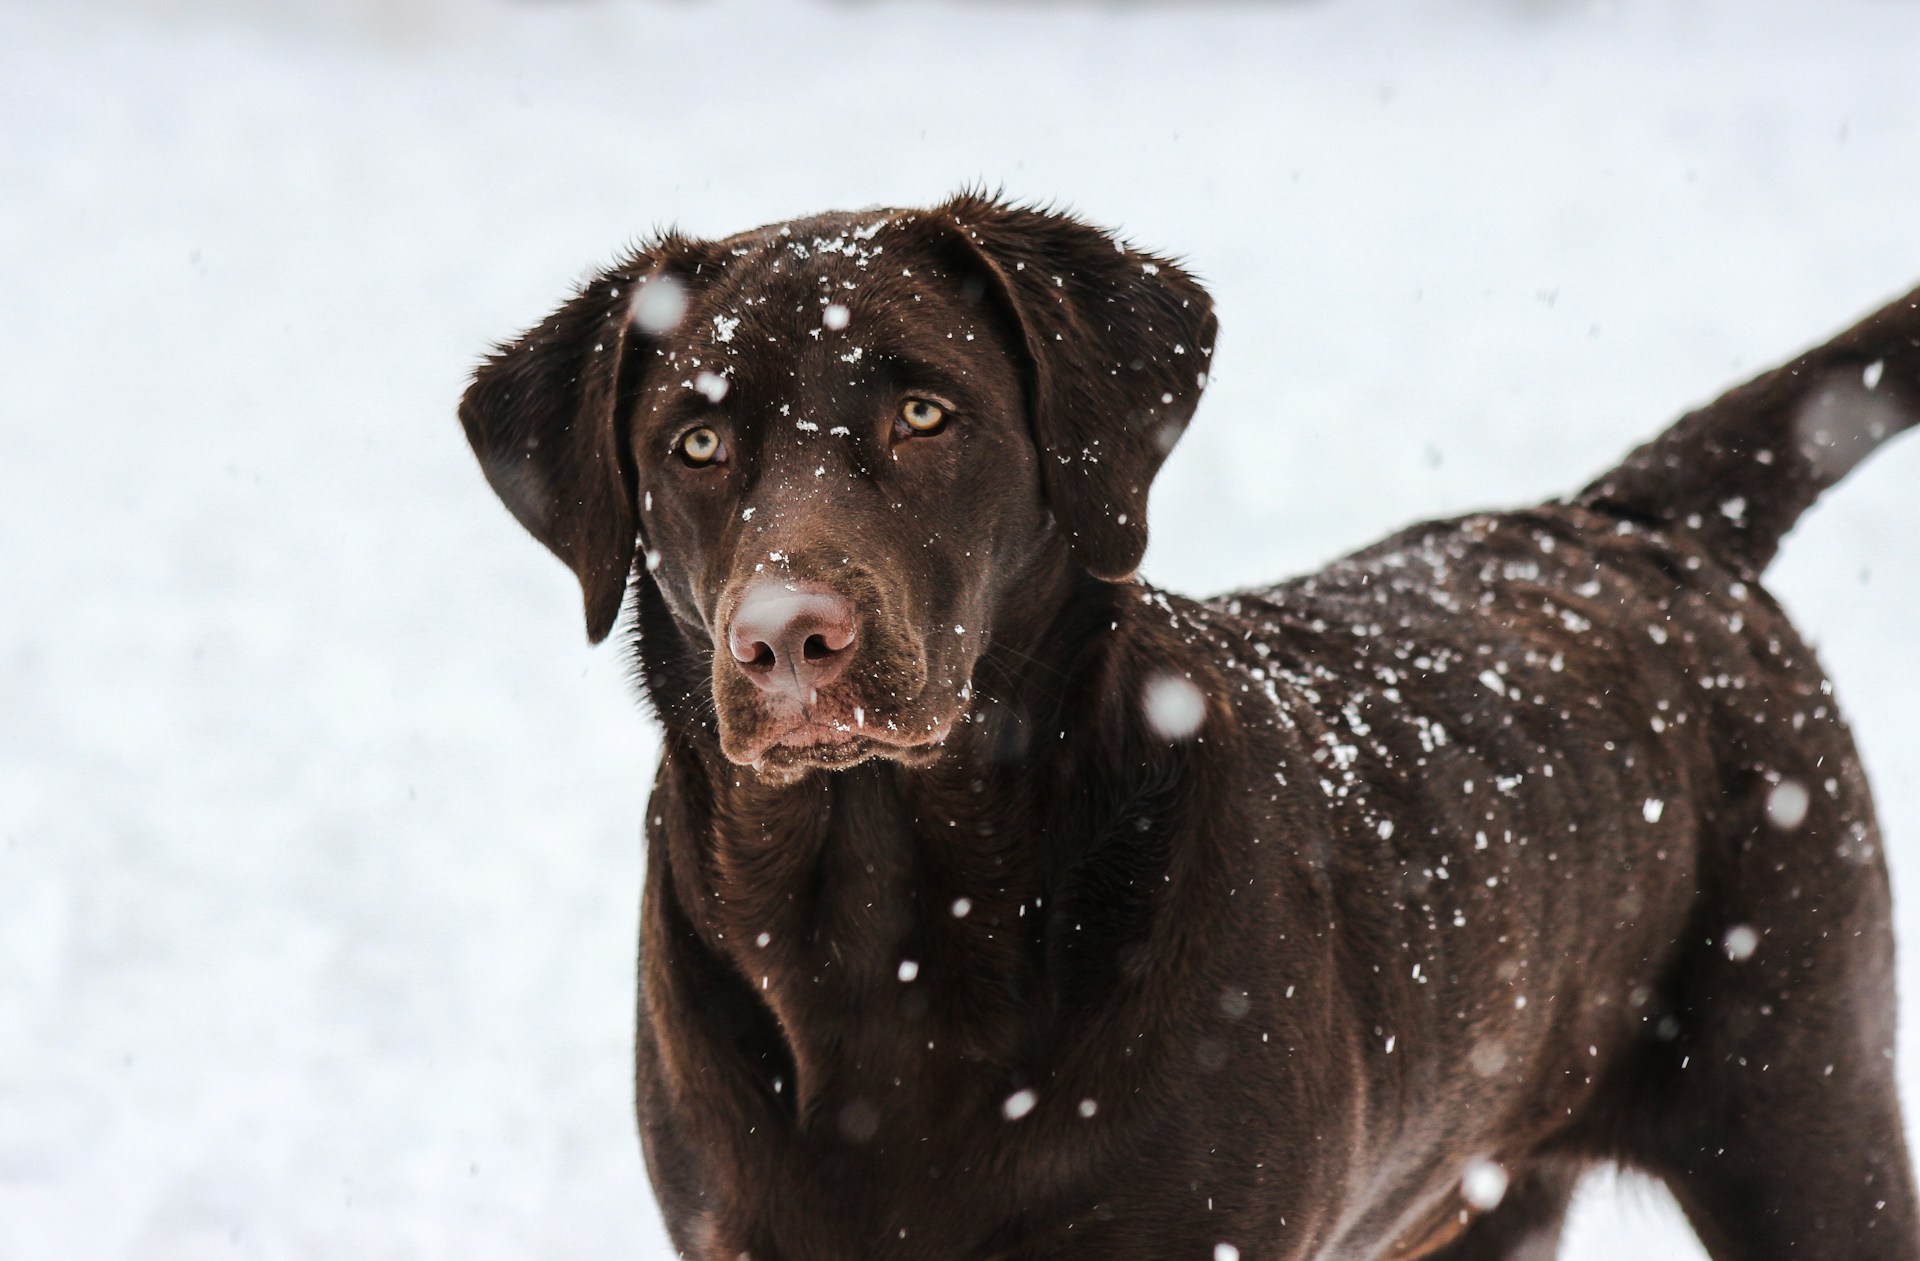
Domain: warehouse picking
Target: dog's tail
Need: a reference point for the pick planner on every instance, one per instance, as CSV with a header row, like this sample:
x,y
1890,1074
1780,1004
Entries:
x,y
1738,472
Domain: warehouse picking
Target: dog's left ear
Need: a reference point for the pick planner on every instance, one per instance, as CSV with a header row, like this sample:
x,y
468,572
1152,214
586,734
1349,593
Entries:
x,y
1118,346
543,416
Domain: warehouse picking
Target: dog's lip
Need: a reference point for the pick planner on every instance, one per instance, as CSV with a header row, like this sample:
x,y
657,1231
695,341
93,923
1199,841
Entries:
x,y
815,742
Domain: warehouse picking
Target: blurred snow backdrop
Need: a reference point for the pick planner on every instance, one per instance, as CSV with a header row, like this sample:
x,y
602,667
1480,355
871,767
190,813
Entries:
x,y
318,820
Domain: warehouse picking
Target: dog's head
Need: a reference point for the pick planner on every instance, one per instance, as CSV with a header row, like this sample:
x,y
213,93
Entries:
x,y
842,450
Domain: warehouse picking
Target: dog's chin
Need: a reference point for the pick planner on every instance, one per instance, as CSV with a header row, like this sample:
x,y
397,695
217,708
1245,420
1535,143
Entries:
x,y
810,745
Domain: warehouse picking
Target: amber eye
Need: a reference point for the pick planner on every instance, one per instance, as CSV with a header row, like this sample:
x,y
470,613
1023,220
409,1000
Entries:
x,y
700,446
922,416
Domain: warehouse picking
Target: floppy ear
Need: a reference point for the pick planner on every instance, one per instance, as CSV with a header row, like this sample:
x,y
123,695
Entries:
x,y
543,414
1118,346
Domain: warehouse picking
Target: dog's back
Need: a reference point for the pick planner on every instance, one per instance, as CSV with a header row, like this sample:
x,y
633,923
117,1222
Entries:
x,y
1594,840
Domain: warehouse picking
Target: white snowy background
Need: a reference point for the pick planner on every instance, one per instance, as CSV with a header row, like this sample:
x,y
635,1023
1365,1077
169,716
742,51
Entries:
x,y
318,819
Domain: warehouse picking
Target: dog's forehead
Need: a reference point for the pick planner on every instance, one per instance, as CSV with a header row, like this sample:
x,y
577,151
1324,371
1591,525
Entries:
x,y
869,275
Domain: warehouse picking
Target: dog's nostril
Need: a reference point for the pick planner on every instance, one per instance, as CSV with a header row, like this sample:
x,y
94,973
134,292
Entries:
x,y
791,637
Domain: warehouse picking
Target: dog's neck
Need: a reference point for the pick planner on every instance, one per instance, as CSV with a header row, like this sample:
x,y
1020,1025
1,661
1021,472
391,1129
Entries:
x,y
884,911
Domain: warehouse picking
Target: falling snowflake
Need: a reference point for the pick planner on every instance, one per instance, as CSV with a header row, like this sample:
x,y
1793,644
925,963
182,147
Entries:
x,y
1174,707
1787,804
1843,421
658,304
1484,1184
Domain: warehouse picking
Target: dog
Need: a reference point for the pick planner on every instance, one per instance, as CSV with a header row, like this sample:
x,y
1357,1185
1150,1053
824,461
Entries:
x,y
1000,905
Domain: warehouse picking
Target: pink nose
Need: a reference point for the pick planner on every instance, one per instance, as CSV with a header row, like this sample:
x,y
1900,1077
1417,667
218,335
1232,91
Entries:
x,y
792,637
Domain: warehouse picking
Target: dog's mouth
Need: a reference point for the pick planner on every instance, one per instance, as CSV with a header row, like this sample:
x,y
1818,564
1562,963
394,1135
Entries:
x,y
815,743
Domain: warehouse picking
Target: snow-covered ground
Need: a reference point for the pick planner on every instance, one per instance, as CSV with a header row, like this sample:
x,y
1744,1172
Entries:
x,y
318,820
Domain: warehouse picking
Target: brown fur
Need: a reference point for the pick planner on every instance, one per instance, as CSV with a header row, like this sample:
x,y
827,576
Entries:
x,y
1468,858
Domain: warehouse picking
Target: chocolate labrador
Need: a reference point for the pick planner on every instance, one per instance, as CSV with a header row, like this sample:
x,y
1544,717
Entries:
x,y
1001,905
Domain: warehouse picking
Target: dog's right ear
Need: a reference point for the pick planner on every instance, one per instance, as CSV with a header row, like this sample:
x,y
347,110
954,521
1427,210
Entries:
x,y
543,415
